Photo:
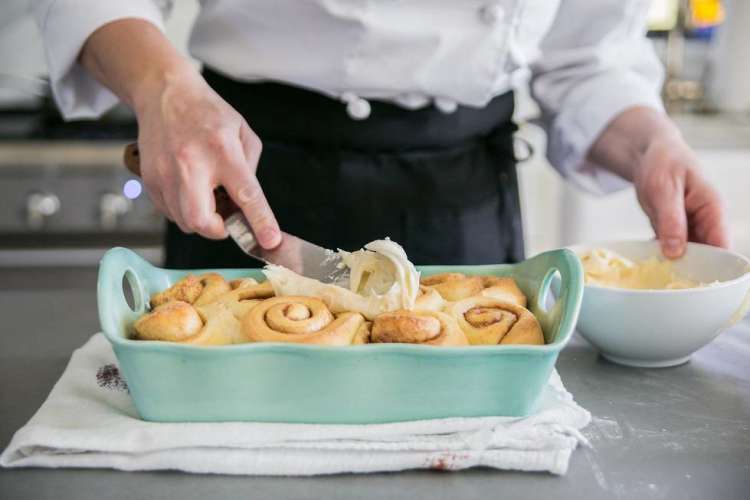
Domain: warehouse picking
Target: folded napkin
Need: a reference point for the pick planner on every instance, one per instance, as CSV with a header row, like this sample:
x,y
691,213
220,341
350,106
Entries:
x,y
89,420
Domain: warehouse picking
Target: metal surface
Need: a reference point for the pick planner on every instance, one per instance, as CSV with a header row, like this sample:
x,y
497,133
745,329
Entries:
x,y
294,253
70,199
675,433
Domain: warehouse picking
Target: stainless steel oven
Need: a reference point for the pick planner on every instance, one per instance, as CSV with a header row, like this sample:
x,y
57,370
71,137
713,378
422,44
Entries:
x,y
64,202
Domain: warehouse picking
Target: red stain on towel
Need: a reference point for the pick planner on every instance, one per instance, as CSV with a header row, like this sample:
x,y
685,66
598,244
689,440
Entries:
x,y
108,377
448,462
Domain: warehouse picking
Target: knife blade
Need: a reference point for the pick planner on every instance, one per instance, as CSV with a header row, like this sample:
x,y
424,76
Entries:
x,y
301,256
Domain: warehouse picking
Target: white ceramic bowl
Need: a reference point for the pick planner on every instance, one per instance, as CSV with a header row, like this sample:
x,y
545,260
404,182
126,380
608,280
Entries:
x,y
658,328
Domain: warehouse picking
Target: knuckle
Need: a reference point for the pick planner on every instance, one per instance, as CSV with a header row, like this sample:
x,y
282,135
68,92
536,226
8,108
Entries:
x,y
218,142
198,224
263,222
255,143
193,216
668,220
183,154
182,176
250,195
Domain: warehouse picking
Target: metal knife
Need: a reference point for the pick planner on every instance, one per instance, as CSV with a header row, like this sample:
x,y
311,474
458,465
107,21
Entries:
x,y
301,256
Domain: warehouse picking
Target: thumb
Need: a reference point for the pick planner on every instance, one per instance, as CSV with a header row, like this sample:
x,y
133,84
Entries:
x,y
669,218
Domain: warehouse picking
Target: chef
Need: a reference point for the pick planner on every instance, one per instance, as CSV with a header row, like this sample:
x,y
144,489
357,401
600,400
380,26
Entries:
x,y
342,121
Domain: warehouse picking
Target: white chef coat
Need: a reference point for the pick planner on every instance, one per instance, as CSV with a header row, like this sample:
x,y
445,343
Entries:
x,y
587,60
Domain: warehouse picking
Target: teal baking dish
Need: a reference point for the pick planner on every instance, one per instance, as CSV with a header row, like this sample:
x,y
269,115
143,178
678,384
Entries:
x,y
376,383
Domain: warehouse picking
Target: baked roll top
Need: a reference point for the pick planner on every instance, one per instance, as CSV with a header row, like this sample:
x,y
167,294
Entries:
x,y
417,327
304,320
457,286
489,321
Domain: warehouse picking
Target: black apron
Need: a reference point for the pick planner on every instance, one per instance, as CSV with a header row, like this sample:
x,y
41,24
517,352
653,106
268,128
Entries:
x,y
443,185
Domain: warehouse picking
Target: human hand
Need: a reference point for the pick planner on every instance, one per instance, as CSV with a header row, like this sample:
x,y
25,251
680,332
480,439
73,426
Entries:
x,y
192,141
680,203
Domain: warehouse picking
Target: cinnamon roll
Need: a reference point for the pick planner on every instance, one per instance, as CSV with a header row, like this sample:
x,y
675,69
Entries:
x,y
173,321
220,326
262,290
245,294
502,288
239,301
458,286
454,286
428,299
363,334
304,320
417,327
188,289
486,320
180,322
214,285
242,282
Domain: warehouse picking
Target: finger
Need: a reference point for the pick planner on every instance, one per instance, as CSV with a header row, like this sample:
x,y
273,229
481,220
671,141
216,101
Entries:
x,y
171,201
240,182
251,146
198,207
154,192
157,201
707,216
667,201
252,201
170,189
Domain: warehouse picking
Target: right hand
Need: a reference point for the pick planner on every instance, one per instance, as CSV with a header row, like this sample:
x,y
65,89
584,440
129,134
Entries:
x,y
192,141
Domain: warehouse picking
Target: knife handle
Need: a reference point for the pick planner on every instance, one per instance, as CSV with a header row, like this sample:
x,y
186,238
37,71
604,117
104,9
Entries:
x,y
225,206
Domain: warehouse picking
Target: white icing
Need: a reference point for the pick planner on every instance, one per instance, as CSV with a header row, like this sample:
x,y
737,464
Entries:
x,y
607,268
382,279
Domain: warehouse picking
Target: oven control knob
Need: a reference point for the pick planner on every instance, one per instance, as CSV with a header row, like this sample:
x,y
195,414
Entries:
x,y
40,206
112,206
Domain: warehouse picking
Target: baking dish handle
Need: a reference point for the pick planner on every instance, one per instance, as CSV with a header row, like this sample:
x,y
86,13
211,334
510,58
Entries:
x,y
560,270
119,268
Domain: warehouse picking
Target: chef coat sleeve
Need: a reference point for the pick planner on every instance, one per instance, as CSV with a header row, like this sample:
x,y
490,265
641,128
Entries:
x,y
595,62
65,26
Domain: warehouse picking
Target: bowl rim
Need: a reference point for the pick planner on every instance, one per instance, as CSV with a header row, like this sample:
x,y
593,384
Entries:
x,y
576,249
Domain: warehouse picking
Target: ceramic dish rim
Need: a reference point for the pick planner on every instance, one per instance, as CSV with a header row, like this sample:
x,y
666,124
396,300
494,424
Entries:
x,y
567,328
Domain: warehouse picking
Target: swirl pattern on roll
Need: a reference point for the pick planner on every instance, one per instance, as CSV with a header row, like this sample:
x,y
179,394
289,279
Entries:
x,y
489,321
201,310
303,320
417,327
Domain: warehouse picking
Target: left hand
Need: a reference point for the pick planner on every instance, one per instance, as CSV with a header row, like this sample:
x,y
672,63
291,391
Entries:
x,y
679,201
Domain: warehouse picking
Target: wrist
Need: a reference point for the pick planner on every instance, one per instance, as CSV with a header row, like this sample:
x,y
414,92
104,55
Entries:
x,y
153,85
625,144
666,144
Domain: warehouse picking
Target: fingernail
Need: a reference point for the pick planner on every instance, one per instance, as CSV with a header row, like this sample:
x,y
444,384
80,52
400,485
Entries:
x,y
673,243
672,246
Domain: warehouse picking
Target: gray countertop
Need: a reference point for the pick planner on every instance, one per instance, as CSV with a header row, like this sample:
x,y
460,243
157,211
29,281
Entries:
x,y
679,432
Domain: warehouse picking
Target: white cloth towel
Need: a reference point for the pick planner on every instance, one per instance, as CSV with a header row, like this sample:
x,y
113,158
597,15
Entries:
x,y
89,420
